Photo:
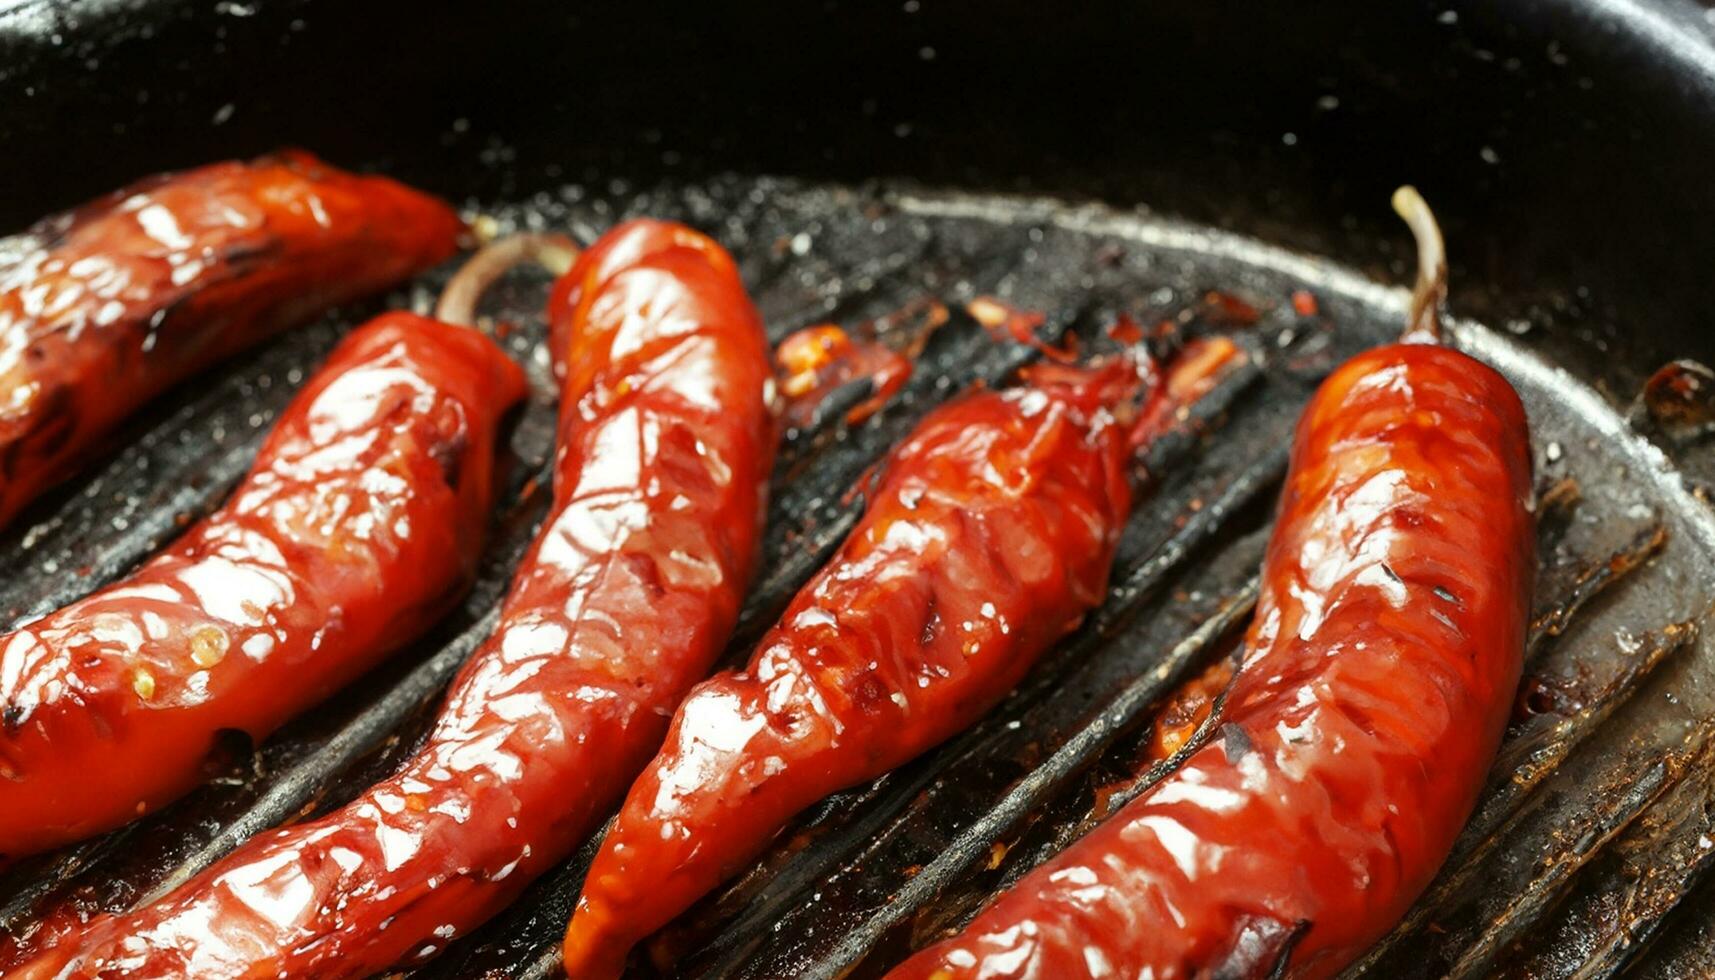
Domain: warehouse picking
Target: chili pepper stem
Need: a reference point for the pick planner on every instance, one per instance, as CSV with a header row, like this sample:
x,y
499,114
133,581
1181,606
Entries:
x,y
458,301
1430,290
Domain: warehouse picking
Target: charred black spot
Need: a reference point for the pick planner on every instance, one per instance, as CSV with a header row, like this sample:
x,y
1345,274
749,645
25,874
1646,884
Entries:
x,y
1284,958
1261,947
1235,742
228,753
12,717
449,454
252,250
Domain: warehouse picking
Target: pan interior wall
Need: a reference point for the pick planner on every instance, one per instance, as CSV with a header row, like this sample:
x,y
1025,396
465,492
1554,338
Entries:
x,y
1563,143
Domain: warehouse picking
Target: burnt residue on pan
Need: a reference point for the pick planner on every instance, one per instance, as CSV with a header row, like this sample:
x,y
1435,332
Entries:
x,y
1588,854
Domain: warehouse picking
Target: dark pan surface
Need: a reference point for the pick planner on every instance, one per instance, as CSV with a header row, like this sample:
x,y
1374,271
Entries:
x,y
1565,144
883,866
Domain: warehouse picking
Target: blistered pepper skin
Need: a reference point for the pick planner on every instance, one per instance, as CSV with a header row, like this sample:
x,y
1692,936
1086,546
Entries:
x,y
106,306
623,601
1376,682
361,519
988,536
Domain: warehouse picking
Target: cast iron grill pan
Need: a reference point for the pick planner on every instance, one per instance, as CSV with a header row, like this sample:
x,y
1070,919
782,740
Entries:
x,y
1588,856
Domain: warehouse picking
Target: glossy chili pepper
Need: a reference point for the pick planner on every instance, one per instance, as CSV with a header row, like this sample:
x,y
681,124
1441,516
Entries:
x,y
623,601
988,536
106,306
1374,687
361,519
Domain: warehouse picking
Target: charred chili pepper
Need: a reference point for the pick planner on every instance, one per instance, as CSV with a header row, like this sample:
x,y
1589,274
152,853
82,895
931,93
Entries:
x,y
1374,687
106,306
360,521
989,534
623,601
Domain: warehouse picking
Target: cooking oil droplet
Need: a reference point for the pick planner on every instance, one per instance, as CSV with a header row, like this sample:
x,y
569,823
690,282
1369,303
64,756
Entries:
x,y
208,645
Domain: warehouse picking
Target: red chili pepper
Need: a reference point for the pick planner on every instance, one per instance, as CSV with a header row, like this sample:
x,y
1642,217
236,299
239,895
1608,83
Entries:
x,y
624,600
988,536
360,521
1376,682
106,306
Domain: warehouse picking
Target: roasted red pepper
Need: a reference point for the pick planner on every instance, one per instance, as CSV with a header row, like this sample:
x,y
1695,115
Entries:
x,y
624,600
988,536
108,305
1374,687
360,521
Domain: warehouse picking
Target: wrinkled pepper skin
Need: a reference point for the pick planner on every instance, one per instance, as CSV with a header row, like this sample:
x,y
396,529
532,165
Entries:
x,y
624,600
360,521
1375,685
106,306
988,536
